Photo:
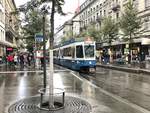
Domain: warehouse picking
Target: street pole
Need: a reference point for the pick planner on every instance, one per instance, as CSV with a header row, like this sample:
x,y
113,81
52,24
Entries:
x,y
44,53
72,29
51,85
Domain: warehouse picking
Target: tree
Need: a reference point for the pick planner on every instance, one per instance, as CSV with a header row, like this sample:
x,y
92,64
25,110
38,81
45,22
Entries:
x,y
92,32
109,31
95,33
63,39
130,24
33,23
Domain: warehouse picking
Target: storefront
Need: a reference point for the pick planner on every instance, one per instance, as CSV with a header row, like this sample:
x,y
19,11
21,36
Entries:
x,y
145,45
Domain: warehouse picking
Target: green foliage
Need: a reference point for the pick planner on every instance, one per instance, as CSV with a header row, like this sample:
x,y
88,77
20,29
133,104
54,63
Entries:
x,y
34,20
34,23
63,39
109,30
130,23
95,33
58,5
92,32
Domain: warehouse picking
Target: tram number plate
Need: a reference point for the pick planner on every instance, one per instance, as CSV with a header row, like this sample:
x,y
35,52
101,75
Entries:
x,y
91,69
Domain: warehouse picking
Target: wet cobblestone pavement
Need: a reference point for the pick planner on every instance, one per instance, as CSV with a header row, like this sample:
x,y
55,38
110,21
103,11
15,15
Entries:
x,y
107,92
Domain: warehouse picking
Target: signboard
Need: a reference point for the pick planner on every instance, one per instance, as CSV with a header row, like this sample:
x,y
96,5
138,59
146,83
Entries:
x,y
126,51
9,49
39,37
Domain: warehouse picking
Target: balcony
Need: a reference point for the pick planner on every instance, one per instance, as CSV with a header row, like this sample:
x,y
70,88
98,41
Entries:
x,y
10,30
115,7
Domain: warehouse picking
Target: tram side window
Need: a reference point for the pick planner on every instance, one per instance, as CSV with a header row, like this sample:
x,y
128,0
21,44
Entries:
x,y
73,52
56,53
67,52
61,53
79,51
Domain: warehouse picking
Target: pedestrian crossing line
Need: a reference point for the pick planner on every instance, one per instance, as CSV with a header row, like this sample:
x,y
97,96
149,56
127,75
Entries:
x,y
116,97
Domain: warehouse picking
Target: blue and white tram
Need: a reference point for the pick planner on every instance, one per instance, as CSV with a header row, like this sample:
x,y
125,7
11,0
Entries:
x,y
77,56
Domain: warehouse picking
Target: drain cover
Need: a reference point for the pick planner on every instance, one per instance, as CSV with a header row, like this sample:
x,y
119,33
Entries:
x,y
29,105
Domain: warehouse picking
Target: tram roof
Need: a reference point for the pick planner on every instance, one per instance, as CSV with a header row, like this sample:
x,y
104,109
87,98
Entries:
x,y
73,40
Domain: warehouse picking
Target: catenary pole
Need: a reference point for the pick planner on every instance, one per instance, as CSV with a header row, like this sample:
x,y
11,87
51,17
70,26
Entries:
x,y
44,52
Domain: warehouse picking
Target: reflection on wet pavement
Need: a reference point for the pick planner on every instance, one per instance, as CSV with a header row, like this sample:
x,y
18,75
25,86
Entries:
x,y
133,87
24,84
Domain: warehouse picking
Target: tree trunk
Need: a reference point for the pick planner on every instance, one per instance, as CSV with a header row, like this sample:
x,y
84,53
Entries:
x,y
51,87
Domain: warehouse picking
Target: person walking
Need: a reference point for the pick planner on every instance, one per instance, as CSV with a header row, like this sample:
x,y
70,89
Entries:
x,y
16,59
29,58
21,60
4,59
10,60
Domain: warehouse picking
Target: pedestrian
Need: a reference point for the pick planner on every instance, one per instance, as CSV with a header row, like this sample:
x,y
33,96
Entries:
x,y
10,60
16,59
21,60
29,58
25,59
42,62
4,59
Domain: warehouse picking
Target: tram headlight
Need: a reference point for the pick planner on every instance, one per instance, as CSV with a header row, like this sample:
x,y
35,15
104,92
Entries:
x,y
90,62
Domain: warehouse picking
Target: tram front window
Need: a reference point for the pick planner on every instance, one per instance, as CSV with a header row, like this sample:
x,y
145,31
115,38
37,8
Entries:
x,y
79,52
89,51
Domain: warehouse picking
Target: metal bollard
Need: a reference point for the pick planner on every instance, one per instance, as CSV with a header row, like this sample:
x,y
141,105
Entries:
x,y
63,99
41,100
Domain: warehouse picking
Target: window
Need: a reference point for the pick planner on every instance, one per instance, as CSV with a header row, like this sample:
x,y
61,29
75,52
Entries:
x,y
93,19
97,7
56,53
79,51
100,13
94,9
117,15
89,51
100,5
147,3
147,24
104,12
67,52
91,10
73,52
61,53
97,16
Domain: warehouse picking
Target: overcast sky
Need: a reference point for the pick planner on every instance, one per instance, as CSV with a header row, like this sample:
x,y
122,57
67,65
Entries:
x,y
70,6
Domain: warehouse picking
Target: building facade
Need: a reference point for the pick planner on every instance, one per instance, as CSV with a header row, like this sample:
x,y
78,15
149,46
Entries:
x,y
2,27
11,26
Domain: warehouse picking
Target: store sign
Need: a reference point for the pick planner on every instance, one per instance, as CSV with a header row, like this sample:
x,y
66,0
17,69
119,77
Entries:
x,y
9,49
